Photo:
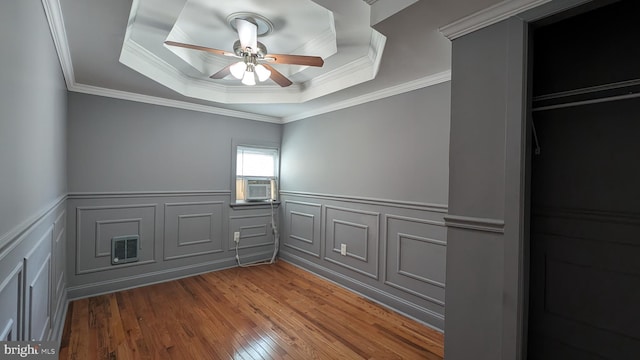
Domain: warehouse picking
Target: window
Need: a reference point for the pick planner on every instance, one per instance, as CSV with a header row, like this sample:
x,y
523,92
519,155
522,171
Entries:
x,y
256,165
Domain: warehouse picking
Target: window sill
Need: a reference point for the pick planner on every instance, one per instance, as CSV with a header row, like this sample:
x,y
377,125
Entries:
x,y
241,204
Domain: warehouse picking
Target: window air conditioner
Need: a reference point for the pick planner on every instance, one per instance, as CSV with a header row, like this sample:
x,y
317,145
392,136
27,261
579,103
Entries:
x,y
257,189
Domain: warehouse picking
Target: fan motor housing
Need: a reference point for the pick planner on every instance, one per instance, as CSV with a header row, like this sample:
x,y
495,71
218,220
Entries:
x,y
261,51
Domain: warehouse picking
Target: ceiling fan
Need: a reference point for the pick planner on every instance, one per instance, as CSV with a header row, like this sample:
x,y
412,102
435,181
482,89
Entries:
x,y
255,63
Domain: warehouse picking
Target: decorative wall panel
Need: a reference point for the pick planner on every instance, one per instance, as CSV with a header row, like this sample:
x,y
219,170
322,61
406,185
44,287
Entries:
x,y
254,228
58,264
302,229
11,309
29,281
57,254
39,303
358,230
97,225
37,273
193,228
415,261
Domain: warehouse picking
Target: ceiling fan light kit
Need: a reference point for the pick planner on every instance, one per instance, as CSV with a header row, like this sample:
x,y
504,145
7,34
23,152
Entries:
x,y
250,70
262,72
249,77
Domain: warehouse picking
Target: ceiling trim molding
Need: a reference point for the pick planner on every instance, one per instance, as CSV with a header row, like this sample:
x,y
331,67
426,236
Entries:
x,y
150,65
488,16
362,69
53,12
426,81
124,95
353,73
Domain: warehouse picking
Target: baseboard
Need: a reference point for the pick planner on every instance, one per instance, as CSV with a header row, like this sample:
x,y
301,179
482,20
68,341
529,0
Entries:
x,y
395,303
155,277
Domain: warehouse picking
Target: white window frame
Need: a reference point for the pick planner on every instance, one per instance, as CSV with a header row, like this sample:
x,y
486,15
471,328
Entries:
x,y
268,148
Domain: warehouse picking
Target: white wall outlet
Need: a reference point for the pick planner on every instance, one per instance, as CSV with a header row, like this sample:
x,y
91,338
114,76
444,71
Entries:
x,y
343,249
236,236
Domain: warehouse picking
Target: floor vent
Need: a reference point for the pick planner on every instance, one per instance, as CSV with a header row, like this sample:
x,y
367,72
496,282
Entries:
x,y
124,249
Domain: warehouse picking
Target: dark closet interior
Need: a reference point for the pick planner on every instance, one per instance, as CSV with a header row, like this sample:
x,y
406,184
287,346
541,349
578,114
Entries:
x,y
584,278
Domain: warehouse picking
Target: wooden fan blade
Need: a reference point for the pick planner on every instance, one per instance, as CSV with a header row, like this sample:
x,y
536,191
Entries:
x,y
222,73
295,59
198,47
277,76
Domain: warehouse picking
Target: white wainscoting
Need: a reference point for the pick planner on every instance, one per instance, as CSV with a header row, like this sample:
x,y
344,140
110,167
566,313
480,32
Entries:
x,y
182,233
33,283
395,251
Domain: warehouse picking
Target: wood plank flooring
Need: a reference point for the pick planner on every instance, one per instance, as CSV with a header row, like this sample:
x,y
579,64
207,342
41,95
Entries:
x,y
267,312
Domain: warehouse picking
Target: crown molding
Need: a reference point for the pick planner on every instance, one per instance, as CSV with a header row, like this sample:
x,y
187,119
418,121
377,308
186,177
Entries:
x,y
137,57
426,81
124,95
376,95
53,12
55,19
488,16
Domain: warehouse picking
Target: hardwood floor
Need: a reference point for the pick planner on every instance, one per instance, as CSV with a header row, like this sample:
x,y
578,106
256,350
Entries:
x,y
268,312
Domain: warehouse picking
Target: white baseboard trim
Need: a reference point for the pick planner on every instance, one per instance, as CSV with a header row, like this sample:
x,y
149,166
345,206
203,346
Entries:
x,y
150,278
424,316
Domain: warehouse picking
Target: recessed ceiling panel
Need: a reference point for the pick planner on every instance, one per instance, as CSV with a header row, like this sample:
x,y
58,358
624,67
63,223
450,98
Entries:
x,y
205,23
350,48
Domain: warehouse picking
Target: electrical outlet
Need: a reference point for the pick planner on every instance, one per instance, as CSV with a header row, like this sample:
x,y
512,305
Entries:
x,y
343,249
236,236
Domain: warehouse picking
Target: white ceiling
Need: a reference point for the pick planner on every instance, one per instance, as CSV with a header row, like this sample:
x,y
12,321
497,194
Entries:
x,y
301,27
382,48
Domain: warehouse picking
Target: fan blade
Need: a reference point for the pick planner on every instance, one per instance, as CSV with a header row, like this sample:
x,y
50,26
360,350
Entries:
x,y
277,76
295,59
222,73
248,34
201,48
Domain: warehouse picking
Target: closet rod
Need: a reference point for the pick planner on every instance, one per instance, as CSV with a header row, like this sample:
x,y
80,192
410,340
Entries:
x,y
588,90
586,102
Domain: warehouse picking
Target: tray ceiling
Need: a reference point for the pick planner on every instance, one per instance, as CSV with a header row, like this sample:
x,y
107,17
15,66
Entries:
x,y
372,49
300,27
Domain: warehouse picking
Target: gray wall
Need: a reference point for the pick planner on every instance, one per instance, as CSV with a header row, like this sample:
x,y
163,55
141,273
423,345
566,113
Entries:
x,y
395,148
488,219
32,176
117,145
163,174
375,178
32,115
486,198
